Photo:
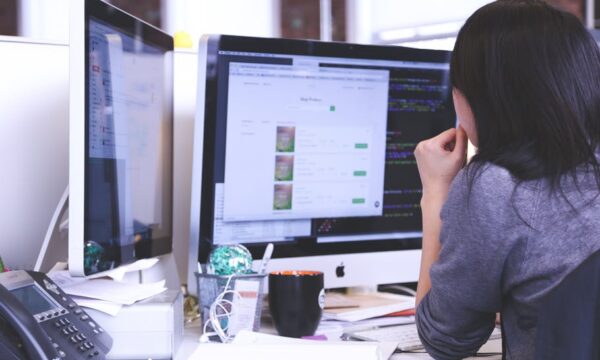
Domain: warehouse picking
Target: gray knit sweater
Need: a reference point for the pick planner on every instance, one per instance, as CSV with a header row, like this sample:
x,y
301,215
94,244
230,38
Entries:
x,y
503,248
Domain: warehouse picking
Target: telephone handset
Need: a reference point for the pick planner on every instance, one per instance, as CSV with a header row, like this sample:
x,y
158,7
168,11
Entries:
x,y
39,321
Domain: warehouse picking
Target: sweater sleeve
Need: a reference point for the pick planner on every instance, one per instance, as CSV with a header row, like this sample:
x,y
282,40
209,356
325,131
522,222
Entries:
x,y
457,315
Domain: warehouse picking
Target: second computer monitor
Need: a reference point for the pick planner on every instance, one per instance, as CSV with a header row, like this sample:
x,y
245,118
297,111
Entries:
x,y
309,145
121,139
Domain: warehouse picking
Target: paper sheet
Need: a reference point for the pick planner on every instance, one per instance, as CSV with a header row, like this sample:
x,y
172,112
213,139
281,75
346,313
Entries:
x,y
383,350
329,325
370,305
114,291
63,279
107,307
272,347
119,273
111,291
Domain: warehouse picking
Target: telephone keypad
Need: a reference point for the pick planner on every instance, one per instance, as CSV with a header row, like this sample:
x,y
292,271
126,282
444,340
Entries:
x,y
78,339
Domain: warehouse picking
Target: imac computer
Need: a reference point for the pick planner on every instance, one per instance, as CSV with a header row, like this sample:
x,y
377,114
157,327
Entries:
x,y
309,145
120,139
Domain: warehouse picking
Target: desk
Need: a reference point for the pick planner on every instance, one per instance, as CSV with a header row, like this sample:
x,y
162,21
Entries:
x,y
192,333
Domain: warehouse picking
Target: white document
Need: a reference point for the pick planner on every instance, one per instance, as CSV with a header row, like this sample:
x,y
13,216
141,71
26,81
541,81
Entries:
x,y
114,291
107,307
64,279
331,328
271,347
119,273
370,305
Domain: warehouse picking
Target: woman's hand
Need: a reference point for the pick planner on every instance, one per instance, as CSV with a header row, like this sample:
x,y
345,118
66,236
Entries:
x,y
439,159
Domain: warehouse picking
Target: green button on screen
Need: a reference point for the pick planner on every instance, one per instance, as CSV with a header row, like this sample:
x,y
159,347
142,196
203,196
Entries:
x,y
361,146
360,173
358,200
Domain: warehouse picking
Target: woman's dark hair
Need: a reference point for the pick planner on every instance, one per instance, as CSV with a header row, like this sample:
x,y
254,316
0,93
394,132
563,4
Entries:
x,y
531,74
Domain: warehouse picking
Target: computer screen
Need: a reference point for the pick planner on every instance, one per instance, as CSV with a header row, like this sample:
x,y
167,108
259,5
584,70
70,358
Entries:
x,y
121,147
309,145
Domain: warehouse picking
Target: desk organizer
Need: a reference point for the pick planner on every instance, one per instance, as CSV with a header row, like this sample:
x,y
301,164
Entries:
x,y
210,286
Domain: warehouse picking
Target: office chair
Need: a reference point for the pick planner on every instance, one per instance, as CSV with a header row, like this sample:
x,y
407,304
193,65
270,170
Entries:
x,y
569,316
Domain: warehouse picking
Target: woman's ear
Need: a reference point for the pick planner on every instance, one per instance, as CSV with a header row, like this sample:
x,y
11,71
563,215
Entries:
x,y
465,115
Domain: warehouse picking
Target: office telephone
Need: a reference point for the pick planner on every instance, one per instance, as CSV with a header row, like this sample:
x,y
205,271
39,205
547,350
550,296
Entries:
x,y
39,321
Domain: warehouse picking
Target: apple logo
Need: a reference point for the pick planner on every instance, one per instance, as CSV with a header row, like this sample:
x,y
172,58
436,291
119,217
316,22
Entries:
x,y
339,271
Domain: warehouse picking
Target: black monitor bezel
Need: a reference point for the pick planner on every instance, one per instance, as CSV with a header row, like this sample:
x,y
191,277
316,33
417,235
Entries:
x,y
305,246
136,28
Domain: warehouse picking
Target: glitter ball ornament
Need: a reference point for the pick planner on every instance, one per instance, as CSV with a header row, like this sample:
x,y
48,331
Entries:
x,y
230,259
92,254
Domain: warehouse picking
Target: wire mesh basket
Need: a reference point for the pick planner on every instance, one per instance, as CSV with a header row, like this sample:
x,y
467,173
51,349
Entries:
x,y
249,288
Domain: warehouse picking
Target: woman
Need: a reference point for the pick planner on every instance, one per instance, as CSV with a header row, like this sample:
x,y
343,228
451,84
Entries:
x,y
503,231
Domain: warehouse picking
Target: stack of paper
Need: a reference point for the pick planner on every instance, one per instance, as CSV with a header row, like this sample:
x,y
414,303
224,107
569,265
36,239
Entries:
x,y
355,307
107,294
334,329
355,312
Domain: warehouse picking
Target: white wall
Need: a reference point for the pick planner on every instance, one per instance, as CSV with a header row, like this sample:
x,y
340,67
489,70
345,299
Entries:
x,y
232,17
34,98
369,17
44,19
391,14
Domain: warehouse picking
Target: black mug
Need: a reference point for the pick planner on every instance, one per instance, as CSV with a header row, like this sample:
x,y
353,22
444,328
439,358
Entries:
x,y
296,300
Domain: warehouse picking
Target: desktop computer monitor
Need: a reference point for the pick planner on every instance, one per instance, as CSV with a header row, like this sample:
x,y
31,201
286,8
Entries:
x,y
121,139
309,145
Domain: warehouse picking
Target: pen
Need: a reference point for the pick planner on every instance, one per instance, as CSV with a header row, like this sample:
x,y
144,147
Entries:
x,y
265,260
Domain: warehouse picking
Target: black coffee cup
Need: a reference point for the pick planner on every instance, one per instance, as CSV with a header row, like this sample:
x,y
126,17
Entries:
x,y
296,300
